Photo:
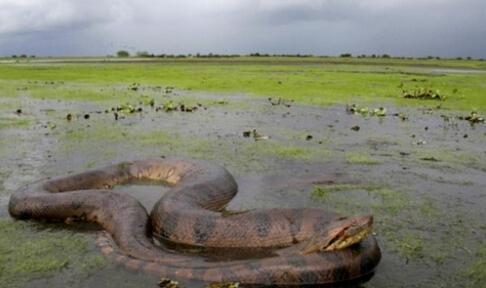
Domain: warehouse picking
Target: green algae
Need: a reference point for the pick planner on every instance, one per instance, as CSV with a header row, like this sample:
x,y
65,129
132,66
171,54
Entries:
x,y
11,122
360,158
389,208
324,191
250,155
278,149
443,157
476,272
382,200
28,252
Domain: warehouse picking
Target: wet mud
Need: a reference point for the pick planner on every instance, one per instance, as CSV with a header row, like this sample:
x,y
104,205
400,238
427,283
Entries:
x,y
423,176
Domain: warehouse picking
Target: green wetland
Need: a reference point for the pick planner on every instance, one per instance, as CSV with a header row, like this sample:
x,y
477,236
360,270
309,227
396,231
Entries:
x,y
296,132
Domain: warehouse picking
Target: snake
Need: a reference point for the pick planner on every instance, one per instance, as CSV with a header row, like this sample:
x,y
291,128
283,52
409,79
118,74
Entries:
x,y
305,246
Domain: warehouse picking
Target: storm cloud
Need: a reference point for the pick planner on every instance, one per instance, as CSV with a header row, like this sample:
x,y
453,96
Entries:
x,y
322,27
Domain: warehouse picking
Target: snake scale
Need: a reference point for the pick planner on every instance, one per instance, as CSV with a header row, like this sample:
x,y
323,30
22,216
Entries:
x,y
191,214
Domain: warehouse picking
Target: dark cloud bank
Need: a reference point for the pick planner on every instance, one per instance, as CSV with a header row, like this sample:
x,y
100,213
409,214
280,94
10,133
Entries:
x,y
446,28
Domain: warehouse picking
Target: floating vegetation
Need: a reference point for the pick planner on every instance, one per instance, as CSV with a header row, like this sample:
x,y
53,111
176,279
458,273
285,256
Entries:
x,y
167,107
224,285
147,101
354,109
402,116
255,135
169,89
170,106
365,111
473,118
421,142
279,101
134,86
380,112
422,93
168,283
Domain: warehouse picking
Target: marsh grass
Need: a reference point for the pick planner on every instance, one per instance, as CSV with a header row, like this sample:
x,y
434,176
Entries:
x,y
407,226
443,157
26,255
13,122
476,272
339,82
360,158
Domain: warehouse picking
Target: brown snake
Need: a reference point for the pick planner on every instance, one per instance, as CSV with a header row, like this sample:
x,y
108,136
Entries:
x,y
190,214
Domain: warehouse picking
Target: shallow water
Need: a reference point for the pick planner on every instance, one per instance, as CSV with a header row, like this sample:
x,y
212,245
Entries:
x,y
430,171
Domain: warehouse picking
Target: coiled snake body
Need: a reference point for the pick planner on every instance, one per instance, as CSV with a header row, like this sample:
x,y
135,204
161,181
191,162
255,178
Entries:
x,y
190,214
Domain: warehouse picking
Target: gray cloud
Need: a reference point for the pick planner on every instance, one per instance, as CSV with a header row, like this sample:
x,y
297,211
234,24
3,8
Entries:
x,y
412,27
28,16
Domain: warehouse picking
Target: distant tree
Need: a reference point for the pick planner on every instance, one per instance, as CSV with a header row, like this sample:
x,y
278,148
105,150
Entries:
x,y
23,56
469,58
123,53
385,56
346,55
373,56
14,56
32,56
142,54
459,58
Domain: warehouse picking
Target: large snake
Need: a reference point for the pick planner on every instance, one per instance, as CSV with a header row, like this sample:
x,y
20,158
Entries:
x,y
311,245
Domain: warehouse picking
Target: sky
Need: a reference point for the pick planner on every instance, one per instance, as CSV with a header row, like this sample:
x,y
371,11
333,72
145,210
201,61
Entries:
x,y
445,28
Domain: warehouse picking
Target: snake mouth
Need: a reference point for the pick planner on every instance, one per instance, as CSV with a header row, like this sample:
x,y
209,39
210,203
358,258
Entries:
x,y
346,238
342,234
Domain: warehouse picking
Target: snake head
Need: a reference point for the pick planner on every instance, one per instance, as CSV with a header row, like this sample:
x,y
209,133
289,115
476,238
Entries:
x,y
340,234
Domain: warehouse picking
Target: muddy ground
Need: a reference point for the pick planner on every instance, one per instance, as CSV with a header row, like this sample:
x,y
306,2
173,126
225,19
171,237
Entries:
x,y
421,172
